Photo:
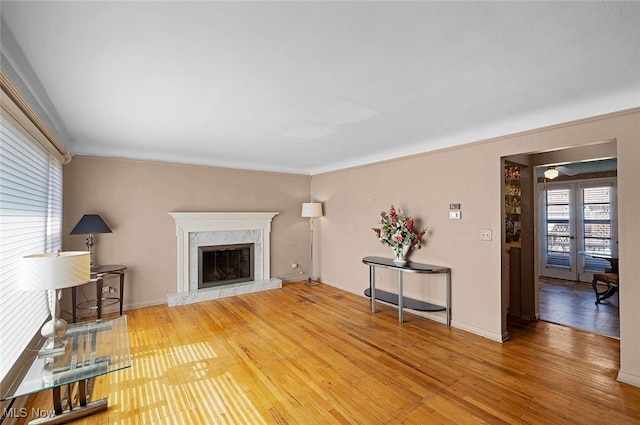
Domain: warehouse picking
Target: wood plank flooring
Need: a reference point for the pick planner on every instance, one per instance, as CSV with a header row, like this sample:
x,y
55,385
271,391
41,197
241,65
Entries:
x,y
573,304
316,355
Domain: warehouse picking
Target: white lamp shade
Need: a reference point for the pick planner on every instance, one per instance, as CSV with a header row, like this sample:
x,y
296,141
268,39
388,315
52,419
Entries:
x,y
551,173
55,271
312,209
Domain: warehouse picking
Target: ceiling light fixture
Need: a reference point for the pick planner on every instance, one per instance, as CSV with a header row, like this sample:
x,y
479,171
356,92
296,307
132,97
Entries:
x,y
551,173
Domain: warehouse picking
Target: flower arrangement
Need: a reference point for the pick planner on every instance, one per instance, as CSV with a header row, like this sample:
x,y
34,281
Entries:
x,y
396,230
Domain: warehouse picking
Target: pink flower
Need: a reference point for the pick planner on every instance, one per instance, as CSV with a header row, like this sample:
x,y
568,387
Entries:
x,y
398,229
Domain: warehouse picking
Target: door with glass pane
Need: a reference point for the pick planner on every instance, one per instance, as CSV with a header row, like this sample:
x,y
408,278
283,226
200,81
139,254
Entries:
x,y
598,227
558,233
577,217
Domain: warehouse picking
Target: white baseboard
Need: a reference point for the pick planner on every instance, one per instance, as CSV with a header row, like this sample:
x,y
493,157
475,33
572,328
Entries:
x,y
629,378
477,331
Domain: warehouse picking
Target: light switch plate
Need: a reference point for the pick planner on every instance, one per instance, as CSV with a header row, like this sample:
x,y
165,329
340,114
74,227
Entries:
x,y
455,215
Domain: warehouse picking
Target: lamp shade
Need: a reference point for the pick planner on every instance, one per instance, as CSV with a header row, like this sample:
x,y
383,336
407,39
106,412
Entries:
x,y
312,209
551,173
55,271
90,223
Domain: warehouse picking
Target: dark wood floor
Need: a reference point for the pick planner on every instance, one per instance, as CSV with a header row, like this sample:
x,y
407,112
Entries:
x,y
572,304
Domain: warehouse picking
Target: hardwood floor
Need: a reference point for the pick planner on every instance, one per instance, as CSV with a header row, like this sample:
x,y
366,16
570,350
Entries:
x,y
573,304
316,355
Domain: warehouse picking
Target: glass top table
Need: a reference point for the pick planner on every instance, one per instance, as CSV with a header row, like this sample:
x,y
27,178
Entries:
x,y
91,349
611,258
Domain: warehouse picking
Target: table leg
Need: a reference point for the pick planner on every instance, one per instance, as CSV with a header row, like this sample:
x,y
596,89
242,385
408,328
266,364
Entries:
x,y
400,297
99,285
448,296
72,414
57,400
82,392
121,291
73,303
372,286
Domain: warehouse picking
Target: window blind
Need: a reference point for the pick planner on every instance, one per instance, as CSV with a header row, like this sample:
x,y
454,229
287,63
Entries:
x,y
597,224
557,220
30,223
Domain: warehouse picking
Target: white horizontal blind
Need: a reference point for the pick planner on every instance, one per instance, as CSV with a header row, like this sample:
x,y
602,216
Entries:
x,y
596,217
557,219
30,223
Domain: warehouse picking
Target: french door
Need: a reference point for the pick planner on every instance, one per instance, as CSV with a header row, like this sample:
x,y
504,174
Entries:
x,y
577,217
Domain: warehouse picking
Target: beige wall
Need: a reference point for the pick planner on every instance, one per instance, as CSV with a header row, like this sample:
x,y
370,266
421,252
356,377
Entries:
x,y
471,175
135,198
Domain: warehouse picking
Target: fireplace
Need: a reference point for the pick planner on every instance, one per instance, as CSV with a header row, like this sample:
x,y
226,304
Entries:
x,y
195,230
225,264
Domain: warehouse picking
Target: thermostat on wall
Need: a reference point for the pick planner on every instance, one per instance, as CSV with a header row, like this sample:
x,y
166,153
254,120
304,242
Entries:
x,y
454,212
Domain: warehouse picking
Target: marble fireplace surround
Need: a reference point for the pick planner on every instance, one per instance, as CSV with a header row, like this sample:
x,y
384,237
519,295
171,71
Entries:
x,y
194,229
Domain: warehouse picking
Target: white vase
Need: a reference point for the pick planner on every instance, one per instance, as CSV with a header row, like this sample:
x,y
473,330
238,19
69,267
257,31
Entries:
x,y
400,254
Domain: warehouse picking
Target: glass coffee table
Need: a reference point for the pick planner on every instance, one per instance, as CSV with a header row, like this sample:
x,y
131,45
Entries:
x,y
92,349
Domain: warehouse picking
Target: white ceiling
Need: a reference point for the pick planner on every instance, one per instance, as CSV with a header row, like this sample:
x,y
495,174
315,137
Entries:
x,y
307,87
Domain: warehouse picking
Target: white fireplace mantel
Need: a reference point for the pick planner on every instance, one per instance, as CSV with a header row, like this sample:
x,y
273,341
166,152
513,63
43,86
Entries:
x,y
194,222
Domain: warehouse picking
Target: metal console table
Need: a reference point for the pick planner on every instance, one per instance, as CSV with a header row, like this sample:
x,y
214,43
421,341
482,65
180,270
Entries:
x,y
98,275
92,349
399,299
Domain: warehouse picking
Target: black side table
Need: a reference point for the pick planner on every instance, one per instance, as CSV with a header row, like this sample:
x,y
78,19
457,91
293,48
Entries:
x,y
97,275
399,299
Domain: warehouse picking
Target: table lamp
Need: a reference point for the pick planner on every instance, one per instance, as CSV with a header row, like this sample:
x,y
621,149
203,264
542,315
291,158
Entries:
x,y
90,224
311,210
53,272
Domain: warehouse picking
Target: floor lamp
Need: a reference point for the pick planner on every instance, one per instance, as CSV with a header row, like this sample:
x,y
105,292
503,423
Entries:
x,y
311,210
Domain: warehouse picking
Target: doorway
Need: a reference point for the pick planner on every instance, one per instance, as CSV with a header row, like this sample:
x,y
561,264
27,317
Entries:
x,y
577,230
549,244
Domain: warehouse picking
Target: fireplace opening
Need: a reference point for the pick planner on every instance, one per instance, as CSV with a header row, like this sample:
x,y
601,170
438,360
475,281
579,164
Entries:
x,y
225,264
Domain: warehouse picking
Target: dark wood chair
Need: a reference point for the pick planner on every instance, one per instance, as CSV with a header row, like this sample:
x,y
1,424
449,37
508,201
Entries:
x,y
609,279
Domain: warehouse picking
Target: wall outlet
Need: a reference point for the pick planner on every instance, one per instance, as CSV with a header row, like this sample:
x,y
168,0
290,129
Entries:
x,y
486,234
455,215
294,265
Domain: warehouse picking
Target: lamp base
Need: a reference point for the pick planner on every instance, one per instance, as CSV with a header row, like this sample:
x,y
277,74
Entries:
x,y
312,281
53,352
53,330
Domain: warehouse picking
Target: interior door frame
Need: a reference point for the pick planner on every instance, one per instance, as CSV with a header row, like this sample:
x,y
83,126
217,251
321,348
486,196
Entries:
x,y
534,159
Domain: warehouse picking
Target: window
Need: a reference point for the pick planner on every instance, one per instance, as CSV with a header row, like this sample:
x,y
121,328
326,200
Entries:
x,y
30,222
597,226
558,215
